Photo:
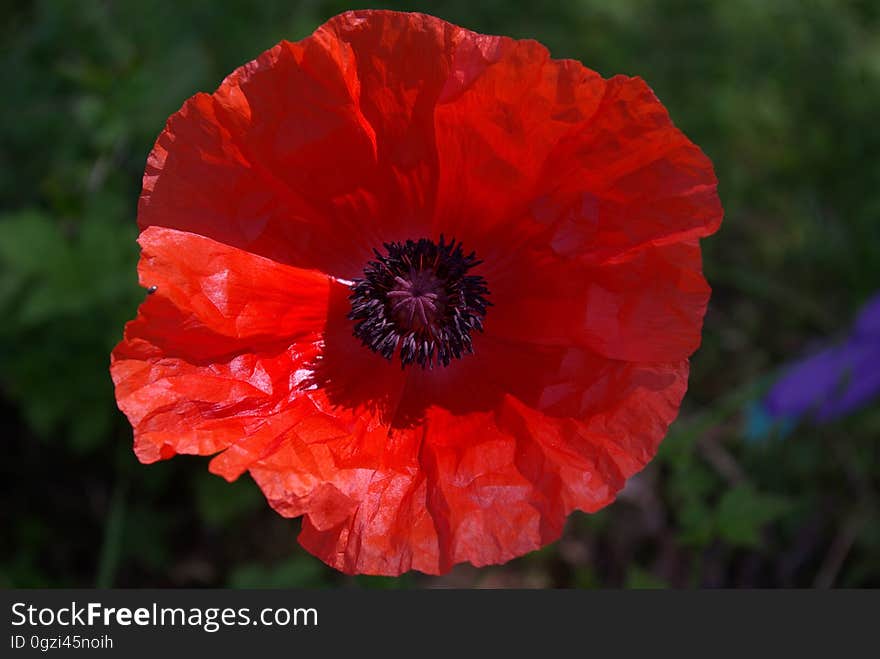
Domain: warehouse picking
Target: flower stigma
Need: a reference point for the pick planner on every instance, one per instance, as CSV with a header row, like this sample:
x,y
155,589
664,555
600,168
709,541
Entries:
x,y
418,297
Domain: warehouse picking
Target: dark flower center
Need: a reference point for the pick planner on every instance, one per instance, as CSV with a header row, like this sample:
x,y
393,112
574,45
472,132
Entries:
x,y
418,296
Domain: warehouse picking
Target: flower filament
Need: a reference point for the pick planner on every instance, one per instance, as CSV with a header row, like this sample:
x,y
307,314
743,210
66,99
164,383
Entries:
x,y
418,298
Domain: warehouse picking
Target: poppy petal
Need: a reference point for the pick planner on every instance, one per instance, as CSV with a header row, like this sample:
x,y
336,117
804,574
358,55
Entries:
x,y
506,107
233,293
362,496
313,153
648,308
474,473
628,180
222,343
176,406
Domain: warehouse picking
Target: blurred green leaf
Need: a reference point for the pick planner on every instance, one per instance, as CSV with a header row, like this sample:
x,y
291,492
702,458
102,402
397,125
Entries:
x,y
300,572
743,512
586,577
697,525
403,582
220,503
640,579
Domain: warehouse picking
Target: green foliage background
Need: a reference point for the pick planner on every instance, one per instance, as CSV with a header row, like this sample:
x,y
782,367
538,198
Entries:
x,y
782,95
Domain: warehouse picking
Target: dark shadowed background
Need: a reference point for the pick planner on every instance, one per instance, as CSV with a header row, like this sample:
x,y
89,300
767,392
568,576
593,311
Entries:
x,y
783,96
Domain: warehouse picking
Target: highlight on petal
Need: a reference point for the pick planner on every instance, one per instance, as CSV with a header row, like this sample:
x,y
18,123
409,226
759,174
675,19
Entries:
x,y
483,475
263,205
219,346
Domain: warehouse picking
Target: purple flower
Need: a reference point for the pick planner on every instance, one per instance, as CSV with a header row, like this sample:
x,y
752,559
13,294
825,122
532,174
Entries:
x,y
835,381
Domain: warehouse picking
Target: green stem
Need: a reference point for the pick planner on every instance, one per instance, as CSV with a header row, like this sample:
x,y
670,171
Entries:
x,y
111,545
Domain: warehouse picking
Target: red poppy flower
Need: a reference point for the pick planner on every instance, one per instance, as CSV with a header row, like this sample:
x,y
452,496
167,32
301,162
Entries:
x,y
433,289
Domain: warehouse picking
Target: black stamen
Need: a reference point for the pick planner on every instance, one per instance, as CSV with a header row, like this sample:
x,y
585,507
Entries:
x,y
418,298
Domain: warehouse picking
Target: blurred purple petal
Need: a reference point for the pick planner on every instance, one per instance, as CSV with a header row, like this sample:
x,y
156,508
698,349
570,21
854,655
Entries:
x,y
868,321
829,384
862,385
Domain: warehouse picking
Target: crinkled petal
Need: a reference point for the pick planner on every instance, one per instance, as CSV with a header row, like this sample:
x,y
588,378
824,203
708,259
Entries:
x,y
315,152
582,198
505,108
482,463
176,406
223,344
648,308
362,495
628,180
